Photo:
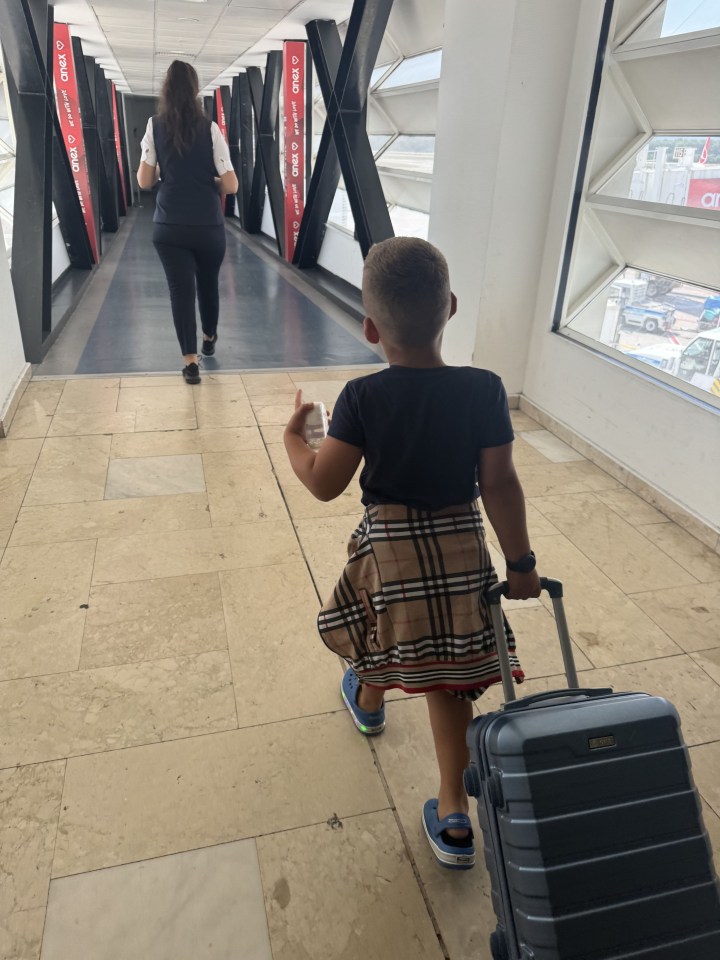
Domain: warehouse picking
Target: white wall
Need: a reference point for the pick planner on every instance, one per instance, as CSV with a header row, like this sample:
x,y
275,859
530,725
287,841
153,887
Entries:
x,y
512,108
500,112
666,439
12,356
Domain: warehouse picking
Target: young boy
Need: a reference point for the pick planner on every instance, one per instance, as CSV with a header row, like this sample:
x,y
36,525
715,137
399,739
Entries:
x,y
409,610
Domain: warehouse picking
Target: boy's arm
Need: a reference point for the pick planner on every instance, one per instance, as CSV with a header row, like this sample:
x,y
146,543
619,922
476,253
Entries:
x,y
504,503
327,472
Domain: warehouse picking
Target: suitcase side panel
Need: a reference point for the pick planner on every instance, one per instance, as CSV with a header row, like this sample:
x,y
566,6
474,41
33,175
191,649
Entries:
x,y
560,820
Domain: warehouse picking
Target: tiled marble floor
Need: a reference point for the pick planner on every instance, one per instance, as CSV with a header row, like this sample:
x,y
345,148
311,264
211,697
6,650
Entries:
x,y
177,775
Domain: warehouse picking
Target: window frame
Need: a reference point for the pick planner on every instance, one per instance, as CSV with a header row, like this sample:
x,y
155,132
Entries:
x,y
585,195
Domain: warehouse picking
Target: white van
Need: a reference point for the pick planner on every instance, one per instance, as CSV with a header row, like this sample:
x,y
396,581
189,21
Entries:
x,y
699,362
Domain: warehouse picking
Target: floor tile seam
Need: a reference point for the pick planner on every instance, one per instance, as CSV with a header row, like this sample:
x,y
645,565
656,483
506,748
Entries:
x,y
110,666
168,740
85,618
54,851
651,618
408,851
624,663
291,518
249,566
227,647
608,576
705,671
254,837
127,663
675,559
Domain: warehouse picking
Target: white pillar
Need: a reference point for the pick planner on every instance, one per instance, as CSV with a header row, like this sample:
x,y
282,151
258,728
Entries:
x,y
506,67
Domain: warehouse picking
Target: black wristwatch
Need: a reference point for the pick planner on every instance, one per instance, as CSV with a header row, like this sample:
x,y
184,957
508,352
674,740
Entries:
x,y
524,565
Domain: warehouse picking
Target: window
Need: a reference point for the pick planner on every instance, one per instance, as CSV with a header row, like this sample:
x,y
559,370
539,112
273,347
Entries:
x,y
409,223
340,212
410,154
421,69
7,164
641,279
378,141
665,324
378,73
674,18
684,171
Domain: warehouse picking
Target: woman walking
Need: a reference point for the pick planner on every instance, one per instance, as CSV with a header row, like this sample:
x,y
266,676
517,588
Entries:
x,y
189,155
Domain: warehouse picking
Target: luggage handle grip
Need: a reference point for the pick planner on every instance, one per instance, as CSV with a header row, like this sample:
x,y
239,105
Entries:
x,y
493,596
497,591
591,693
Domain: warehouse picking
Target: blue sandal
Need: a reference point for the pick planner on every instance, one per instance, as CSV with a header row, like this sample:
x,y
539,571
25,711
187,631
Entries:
x,y
449,853
371,724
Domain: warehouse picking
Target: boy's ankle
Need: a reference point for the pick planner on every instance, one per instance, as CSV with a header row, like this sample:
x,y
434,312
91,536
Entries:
x,y
370,699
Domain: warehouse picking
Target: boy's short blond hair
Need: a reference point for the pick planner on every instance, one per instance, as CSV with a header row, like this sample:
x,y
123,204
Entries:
x,y
406,290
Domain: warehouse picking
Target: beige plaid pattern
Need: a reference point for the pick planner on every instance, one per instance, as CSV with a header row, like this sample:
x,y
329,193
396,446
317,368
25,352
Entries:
x,y
409,609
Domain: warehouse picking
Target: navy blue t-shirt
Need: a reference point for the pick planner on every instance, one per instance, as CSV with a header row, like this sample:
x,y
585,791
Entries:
x,y
421,432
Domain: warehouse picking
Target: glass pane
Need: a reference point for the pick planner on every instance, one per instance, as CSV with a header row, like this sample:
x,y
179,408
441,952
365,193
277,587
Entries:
x,y
684,171
377,73
415,70
676,17
670,325
377,142
410,153
409,223
7,164
340,212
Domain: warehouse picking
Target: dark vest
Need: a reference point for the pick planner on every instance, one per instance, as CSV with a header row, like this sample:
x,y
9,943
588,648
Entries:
x,y
187,193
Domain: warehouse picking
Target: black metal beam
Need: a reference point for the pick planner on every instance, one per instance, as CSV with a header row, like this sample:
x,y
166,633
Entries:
x,y
256,202
121,196
110,199
25,53
344,81
209,106
246,138
234,204
124,146
326,48
266,100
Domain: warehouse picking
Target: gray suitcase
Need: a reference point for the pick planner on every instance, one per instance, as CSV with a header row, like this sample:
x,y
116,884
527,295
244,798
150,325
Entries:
x,y
593,833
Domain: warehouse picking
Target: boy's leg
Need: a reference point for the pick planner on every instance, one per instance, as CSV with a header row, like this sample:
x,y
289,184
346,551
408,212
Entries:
x,y
449,719
370,698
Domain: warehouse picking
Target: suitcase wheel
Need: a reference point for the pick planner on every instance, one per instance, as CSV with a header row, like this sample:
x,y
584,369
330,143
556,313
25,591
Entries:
x,y
472,781
498,946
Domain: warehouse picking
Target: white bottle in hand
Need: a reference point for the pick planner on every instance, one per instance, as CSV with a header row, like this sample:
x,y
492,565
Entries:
x,y
316,426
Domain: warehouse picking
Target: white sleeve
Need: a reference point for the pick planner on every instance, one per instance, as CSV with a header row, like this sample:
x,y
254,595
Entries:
x,y
221,151
149,154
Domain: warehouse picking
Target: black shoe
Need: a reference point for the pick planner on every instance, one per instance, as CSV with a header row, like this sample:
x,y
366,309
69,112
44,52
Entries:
x,y
191,373
208,347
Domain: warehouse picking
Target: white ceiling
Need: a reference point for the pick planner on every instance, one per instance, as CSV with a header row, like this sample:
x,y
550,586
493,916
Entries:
x,y
136,40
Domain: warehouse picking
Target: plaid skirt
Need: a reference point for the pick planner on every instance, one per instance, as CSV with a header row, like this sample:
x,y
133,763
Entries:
x,y
409,610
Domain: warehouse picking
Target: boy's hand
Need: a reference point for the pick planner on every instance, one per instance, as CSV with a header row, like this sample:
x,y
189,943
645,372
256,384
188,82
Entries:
x,y
522,586
296,424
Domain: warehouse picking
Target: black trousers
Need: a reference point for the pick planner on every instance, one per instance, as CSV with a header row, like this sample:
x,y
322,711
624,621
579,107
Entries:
x,y
191,258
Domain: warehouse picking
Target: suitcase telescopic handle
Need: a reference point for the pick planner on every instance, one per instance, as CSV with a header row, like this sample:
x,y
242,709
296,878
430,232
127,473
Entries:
x,y
554,588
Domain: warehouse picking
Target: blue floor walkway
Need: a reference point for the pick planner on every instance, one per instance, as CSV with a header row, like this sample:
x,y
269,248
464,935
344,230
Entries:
x,y
268,316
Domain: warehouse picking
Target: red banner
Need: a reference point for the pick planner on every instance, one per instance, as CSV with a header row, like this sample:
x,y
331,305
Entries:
x,y
118,146
68,106
221,121
294,127
704,193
